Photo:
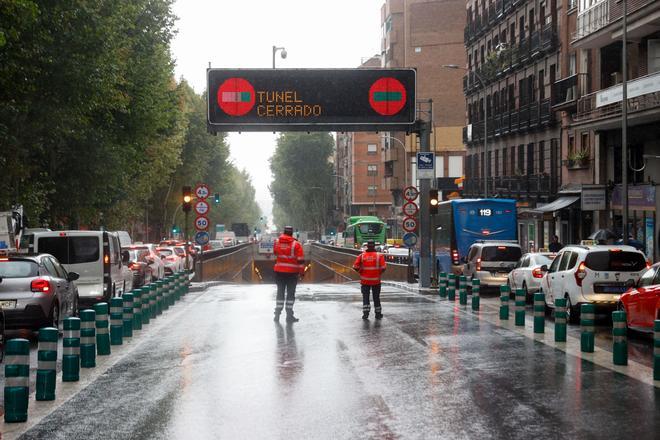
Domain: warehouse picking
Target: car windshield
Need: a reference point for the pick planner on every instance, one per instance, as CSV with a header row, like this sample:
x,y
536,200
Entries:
x,y
615,261
544,259
501,253
18,269
71,250
371,228
165,252
179,251
134,255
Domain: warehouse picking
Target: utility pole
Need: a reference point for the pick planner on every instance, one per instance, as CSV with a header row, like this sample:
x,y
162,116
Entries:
x,y
424,133
624,122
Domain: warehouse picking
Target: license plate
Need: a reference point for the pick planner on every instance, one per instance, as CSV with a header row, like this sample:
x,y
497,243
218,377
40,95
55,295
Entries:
x,y
8,304
611,289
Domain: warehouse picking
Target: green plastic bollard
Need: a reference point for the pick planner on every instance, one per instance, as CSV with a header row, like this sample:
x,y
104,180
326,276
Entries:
x,y
462,297
476,288
116,321
47,364
619,340
587,323
462,283
656,349
137,309
102,333
127,315
519,307
17,386
153,300
178,289
71,350
161,296
442,284
87,338
539,312
451,290
560,319
146,305
505,294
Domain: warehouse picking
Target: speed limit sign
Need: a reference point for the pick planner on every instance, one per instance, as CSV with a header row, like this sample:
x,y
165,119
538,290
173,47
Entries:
x,y
201,223
410,209
409,224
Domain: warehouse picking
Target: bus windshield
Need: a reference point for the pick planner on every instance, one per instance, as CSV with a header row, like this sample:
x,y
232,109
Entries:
x,y
371,228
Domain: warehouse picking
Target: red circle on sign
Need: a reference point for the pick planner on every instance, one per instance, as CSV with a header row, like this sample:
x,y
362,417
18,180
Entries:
x,y
202,191
410,209
236,96
410,193
387,96
202,219
409,224
201,207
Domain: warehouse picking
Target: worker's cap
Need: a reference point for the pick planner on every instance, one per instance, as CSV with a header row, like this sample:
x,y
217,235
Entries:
x,y
371,244
288,230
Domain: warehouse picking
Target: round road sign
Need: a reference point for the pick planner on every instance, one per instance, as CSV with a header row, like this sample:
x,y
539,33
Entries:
x,y
410,193
202,191
202,238
409,224
387,96
201,223
236,96
410,209
201,207
409,239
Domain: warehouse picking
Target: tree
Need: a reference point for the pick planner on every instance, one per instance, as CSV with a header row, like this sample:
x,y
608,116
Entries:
x,y
302,180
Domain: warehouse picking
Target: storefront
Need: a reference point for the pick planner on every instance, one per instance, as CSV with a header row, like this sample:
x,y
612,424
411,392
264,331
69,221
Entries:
x,y
642,222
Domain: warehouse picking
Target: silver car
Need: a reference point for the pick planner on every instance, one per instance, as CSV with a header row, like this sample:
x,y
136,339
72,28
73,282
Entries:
x,y
36,291
491,262
527,274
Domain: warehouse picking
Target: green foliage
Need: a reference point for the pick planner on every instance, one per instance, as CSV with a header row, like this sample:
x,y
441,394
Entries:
x,y
302,180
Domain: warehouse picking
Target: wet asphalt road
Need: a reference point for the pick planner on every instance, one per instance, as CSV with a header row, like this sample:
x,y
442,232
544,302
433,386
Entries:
x,y
219,367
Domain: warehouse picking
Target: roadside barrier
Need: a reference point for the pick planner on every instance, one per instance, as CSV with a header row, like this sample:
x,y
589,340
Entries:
x,y
619,340
161,296
462,283
505,291
451,288
153,300
71,350
475,293
587,323
560,320
102,335
116,321
656,349
127,315
47,364
539,312
178,289
146,305
462,290
137,309
519,307
443,284
17,385
87,338
186,282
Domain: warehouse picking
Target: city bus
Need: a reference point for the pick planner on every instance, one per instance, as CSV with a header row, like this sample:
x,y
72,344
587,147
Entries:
x,y
461,222
359,229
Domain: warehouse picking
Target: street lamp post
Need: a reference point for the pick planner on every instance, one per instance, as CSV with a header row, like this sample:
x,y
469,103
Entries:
x,y
624,122
405,159
486,161
283,54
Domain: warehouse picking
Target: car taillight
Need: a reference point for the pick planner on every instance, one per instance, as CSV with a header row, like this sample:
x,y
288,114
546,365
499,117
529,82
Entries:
x,y
648,264
580,273
171,258
134,266
454,256
106,259
537,273
479,264
40,285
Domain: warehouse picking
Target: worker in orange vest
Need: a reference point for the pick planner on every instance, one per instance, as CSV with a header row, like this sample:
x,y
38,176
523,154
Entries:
x,y
370,264
289,265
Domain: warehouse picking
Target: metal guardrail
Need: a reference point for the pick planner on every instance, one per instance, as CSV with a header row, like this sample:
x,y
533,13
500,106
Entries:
x,y
225,264
340,260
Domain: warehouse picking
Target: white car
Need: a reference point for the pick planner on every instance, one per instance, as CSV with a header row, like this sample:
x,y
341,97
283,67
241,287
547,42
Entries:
x,y
173,263
527,273
592,274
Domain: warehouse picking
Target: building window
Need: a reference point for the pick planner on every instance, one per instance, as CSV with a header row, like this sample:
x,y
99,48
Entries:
x,y
372,170
372,149
371,190
371,210
530,159
455,166
521,160
653,56
541,157
504,157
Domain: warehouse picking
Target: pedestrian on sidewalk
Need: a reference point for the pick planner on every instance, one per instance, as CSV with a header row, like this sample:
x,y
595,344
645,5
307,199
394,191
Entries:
x,y
370,265
289,265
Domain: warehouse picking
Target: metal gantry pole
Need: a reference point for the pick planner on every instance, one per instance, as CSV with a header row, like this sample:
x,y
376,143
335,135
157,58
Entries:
x,y
624,124
425,218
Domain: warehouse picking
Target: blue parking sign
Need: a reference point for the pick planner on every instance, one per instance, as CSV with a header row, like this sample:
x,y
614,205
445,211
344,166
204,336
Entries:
x,y
202,238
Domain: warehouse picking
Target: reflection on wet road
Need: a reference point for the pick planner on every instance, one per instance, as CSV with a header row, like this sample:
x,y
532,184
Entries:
x,y
221,368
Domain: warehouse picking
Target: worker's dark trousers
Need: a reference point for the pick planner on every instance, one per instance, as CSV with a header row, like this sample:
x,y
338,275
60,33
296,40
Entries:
x,y
366,307
285,281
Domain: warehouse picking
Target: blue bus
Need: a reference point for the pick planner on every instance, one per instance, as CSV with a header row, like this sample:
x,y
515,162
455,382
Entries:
x,y
461,222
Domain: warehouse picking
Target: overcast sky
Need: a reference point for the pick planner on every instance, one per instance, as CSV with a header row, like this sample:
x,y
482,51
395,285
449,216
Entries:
x,y
241,34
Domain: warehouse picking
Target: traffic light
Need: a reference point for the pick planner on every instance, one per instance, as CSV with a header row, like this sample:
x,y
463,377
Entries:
x,y
433,201
175,229
187,198
216,198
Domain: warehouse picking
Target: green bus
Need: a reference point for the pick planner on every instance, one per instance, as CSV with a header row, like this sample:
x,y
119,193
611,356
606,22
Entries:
x,y
359,229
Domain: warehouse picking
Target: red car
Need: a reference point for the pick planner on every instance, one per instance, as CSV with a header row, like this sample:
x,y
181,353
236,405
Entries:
x,y
642,303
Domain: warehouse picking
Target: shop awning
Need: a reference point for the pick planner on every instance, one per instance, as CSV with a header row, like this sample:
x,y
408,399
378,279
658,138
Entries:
x,y
560,203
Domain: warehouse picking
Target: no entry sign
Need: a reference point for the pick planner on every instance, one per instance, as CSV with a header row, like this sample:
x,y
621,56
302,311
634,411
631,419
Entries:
x,y
311,99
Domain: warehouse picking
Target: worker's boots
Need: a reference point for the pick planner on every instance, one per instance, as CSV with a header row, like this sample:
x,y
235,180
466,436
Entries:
x,y
365,315
379,316
291,318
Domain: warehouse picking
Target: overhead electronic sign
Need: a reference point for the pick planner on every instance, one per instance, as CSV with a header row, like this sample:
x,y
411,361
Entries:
x,y
311,99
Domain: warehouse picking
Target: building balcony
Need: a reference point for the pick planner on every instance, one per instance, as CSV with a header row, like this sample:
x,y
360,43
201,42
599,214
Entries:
x,y
530,117
567,91
591,20
546,113
536,186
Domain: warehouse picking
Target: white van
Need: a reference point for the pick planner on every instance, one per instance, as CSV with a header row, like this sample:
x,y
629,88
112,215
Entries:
x,y
95,255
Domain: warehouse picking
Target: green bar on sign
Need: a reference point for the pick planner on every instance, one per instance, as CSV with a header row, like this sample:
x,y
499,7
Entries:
x,y
245,97
387,96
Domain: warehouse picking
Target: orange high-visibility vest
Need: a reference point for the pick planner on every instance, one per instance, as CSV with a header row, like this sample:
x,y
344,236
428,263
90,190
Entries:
x,y
289,255
370,265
